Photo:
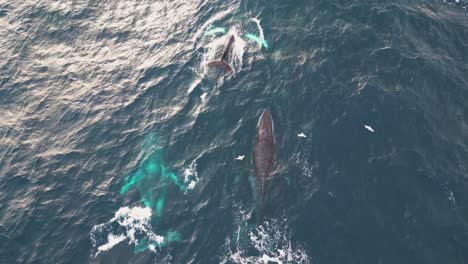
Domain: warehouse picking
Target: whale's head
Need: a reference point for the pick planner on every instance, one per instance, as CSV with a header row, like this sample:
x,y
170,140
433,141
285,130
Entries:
x,y
265,126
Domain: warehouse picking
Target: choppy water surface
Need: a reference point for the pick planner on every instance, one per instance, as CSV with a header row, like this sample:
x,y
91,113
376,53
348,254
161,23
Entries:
x,y
118,144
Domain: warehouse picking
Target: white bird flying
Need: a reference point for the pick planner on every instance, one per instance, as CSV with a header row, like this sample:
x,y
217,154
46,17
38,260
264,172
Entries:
x,y
301,135
369,128
240,157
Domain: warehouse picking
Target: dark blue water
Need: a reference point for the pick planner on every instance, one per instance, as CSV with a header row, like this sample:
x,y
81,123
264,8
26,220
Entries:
x,y
118,145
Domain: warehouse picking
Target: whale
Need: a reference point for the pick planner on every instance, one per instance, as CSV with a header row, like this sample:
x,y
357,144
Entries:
x,y
264,153
222,62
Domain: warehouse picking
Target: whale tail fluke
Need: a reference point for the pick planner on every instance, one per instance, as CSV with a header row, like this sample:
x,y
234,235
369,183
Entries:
x,y
222,65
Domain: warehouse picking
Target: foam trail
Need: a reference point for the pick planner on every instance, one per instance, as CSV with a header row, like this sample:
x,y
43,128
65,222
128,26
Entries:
x,y
269,242
260,29
261,39
238,49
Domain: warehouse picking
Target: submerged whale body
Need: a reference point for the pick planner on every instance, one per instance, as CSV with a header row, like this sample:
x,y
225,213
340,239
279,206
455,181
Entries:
x,y
264,152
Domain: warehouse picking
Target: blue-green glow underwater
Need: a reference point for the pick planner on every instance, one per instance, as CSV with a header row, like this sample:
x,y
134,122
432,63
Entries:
x,y
214,31
152,180
257,39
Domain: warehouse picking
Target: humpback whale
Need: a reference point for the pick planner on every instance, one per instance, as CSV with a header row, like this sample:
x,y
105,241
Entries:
x,y
222,63
264,152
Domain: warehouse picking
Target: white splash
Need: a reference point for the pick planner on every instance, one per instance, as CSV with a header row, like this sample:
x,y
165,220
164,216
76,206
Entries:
x,y
203,97
301,135
132,224
260,31
112,240
369,128
269,242
191,175
240,157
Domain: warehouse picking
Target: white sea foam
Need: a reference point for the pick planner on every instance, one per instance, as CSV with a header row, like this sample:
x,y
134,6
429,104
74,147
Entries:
x,y
191,175
269,242
112,240
260,31
131,224
203,97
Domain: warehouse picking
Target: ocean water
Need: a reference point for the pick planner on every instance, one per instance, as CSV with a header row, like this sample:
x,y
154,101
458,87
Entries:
x,y
118,144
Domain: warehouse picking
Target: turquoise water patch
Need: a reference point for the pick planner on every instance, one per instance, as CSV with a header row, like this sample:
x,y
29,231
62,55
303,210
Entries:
x,y
152,179
257,39
214,31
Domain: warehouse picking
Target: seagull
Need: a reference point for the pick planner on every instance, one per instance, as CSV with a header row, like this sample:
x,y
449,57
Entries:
x,y
240,157
369,128
302,135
